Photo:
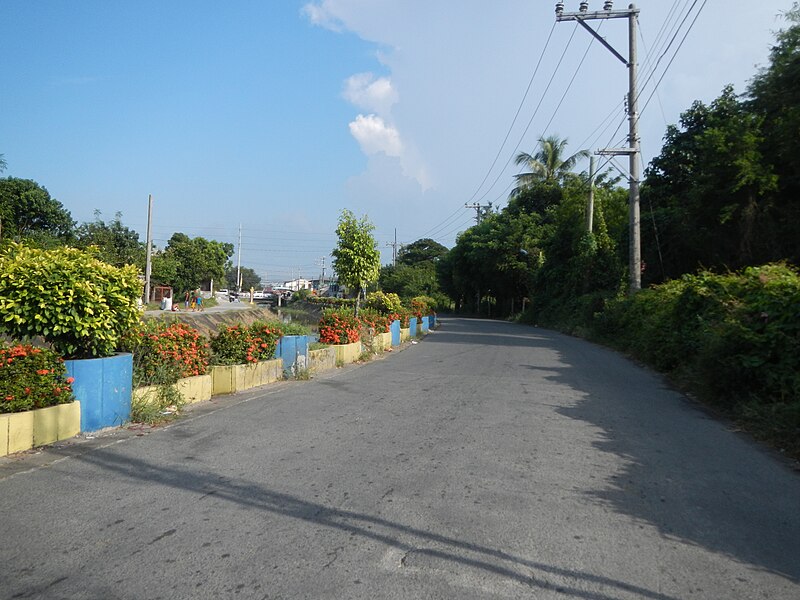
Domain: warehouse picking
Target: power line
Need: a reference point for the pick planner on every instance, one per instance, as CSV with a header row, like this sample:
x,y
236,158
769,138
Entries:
x,y
514,120
533,116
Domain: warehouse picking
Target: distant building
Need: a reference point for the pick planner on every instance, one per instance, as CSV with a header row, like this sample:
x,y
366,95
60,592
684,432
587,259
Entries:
x,y
297,284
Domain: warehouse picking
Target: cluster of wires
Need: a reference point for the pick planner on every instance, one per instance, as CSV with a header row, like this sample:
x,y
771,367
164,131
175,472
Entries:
x,y
659,56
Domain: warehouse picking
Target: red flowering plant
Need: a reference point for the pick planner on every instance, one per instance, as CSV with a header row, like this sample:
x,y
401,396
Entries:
x,y
32,378
239,344
339,327
375,320
164,352
403,315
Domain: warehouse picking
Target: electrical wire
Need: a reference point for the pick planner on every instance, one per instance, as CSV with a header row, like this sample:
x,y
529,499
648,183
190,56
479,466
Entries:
x,y
516,115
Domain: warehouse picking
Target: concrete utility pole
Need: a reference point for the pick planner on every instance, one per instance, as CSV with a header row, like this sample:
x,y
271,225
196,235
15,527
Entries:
x,y
590,208
633,151
239,263
478,208
393,246
148,260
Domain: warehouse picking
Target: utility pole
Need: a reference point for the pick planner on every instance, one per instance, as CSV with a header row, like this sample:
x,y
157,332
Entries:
x,y
239,263
394,245
590,208
633,151
148,260
478,208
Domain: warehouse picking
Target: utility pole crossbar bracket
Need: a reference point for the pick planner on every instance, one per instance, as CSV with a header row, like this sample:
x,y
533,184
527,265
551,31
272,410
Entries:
x,y
616,151
633,151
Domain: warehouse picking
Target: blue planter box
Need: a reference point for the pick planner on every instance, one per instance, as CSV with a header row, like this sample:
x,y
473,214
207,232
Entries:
x,y
431,321
291,350
394,329
425,325
103,386
412,326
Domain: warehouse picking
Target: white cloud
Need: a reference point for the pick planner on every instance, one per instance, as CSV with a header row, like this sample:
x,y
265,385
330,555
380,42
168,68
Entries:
x,y
374,135
366,92
321,14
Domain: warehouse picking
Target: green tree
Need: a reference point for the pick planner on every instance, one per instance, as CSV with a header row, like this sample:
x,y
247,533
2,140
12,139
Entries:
x,y
774,96
116,244
250,279
424,250
195,261
548,164
356,258
28,211
712,191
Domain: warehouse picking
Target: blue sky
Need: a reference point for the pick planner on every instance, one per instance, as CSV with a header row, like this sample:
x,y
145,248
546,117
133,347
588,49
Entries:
x,y
277,114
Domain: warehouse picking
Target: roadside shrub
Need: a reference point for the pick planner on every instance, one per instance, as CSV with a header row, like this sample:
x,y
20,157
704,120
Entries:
x,y
376,320
422,306
403,315
32,378
382,302
239,344
338,327
75,302
332,302
164,352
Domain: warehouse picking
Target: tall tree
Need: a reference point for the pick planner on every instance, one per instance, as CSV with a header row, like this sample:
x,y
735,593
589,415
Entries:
x,y
356,258
424,250
250,279
27,210
117,245
774,95
196,261
548,164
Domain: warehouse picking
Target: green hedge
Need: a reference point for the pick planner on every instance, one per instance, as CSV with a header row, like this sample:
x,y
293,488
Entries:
x,y
733,338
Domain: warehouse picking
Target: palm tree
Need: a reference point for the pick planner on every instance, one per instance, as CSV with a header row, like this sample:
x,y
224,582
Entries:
x,y
547,165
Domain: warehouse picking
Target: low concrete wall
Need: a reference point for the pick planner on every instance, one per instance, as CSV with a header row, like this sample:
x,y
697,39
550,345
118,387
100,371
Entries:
x,y
405,334
235,378
323,359
196,389
347,353
26,430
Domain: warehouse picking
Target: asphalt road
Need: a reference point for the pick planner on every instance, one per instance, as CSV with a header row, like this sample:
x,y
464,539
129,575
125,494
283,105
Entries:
x,y
490,460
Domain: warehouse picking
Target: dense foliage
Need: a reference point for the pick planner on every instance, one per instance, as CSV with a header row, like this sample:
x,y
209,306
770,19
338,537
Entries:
x,y
733,338
165,352
77,303
239,344
339,327
32,378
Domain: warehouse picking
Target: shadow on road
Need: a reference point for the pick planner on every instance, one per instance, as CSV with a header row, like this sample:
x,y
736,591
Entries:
x,y
420,542
684,473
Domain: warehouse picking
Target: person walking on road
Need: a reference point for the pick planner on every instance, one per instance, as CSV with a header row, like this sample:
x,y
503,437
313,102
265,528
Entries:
x,y
186,300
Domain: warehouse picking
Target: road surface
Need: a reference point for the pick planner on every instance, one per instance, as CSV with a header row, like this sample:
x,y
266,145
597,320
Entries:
x,y
490,460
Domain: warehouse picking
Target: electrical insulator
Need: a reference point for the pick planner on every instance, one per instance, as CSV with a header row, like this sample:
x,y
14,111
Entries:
x,y
609,5
584,6
559,8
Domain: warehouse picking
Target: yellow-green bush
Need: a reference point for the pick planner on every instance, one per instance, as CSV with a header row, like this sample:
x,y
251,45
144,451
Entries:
x,y
77,303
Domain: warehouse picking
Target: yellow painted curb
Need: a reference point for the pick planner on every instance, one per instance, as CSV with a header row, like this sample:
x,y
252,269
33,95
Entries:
x,y
405,334
320,360
195,389
347,353
20,431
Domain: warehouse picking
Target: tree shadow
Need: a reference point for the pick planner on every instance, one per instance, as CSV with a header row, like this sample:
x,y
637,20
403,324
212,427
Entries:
x,y
685,472
419,543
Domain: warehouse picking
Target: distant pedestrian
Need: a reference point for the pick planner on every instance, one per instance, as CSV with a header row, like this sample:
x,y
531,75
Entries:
x,y
193,303
199,303
186,300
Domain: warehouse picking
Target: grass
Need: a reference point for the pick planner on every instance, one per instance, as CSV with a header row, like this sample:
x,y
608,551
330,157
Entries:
x,y
161,405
